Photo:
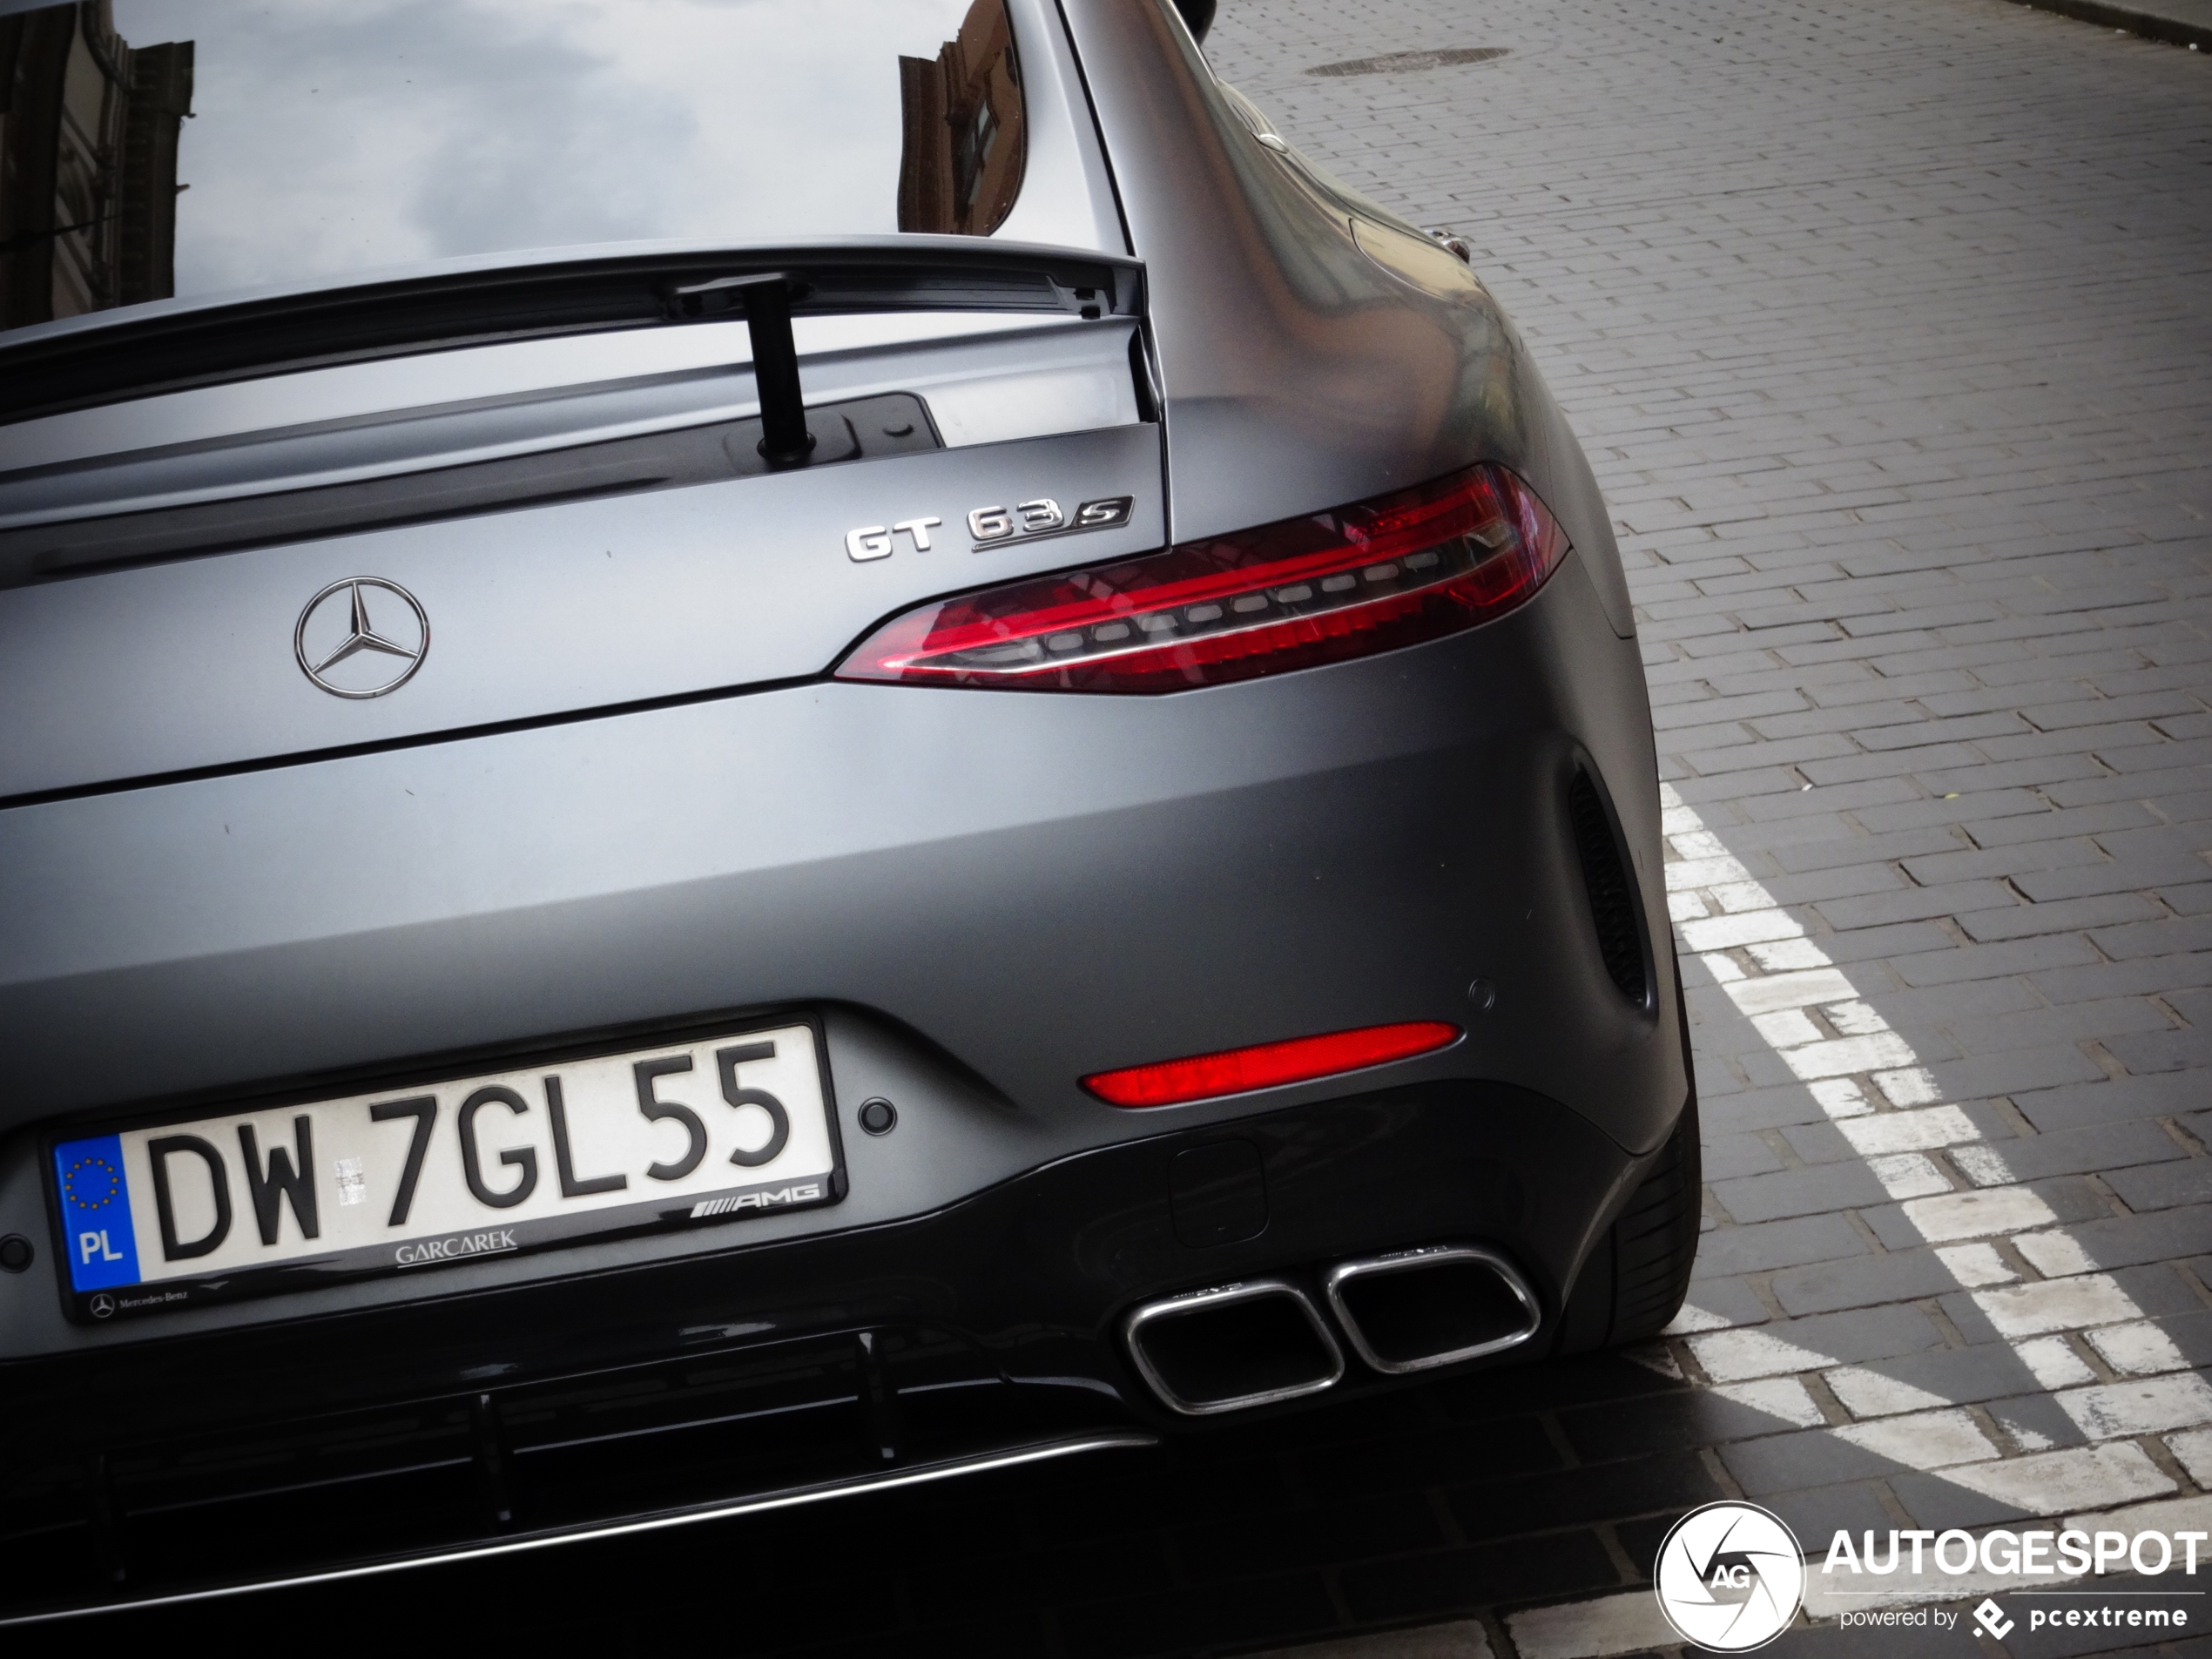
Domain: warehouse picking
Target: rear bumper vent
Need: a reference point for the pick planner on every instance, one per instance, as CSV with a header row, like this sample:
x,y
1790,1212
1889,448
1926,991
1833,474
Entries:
x,y
1612,890
282,1500
1233,1347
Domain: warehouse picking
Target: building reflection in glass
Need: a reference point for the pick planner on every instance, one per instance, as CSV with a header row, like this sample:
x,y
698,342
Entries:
x,y
88,163
960,164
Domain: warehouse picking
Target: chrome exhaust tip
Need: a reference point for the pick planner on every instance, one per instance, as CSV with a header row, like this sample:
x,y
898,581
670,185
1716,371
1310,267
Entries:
x,y
1233,1347
1414,1309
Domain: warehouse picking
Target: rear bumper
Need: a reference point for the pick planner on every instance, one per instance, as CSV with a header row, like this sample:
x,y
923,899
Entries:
x,y
982,1331
984,897
987,895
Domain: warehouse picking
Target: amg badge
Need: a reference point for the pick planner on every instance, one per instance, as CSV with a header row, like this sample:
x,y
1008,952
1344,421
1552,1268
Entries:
x,y
1028,520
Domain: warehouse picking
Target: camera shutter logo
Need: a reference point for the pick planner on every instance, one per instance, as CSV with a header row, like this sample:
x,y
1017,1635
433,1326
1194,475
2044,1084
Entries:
x,y
1729,1577
361,637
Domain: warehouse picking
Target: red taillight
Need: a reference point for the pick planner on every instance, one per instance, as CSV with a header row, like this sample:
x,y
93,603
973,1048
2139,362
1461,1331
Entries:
x,y
1405,567
1268,1065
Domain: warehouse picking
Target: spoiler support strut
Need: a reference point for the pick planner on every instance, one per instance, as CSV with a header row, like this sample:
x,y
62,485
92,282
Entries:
x,y
784,441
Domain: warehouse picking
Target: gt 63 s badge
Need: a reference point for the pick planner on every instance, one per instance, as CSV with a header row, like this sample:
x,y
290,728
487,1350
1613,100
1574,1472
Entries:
x,y
1028,520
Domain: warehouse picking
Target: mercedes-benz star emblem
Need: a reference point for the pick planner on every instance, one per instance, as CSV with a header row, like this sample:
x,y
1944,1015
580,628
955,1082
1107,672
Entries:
x,y
361,637
101,1305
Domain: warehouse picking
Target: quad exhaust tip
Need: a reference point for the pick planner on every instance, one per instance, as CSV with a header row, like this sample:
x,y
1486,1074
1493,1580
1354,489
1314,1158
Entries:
x,y
1412,1310
1262,1341
1233,1347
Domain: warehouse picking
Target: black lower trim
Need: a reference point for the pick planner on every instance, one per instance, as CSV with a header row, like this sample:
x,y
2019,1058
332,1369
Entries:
x,y
158,1466
979,1462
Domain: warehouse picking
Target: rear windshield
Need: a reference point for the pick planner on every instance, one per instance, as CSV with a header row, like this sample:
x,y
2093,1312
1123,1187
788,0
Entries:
x,y
151,148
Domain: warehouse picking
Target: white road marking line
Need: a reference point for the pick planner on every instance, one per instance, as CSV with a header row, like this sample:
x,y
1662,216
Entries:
x,y
2082,1477
1783,1396
1978,1215
1733,1355
1887,1105
1869,1394
2140,1350
1629,1623
2195,1451
1706,877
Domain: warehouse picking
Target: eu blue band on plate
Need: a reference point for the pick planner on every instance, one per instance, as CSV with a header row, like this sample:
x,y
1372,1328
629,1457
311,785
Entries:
x,y
96,1213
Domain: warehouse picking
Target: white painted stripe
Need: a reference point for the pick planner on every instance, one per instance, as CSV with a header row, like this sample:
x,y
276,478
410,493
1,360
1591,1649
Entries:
x,y
1609,1624
1799,977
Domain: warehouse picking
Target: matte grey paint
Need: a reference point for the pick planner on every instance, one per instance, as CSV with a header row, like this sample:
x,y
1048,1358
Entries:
x,y
991,893
1298,372
1237,847
547,609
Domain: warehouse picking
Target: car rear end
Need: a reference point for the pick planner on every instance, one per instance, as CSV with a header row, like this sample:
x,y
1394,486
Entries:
x,y
580,955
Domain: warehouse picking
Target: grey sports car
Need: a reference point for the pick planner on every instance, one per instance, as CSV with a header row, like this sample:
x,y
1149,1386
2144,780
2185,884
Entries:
x,y
761,750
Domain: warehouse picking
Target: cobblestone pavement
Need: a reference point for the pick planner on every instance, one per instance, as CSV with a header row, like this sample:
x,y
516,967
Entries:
x,y
1888,326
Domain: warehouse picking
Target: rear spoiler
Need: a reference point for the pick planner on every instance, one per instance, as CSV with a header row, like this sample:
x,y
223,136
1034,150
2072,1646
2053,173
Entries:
x,y
174,345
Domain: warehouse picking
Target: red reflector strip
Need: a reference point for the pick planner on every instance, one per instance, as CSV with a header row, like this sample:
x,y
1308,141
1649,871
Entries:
x,y
1268,1065
1406,567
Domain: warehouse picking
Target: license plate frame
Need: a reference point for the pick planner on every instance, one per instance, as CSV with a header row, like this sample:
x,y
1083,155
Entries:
x,y
569,1135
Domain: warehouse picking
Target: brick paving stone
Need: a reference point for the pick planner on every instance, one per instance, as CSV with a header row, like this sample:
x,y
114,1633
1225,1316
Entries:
x,y
2128,1241
2164,1186
1821,1142
2067,1203
2017,1070
1580,1496
1943,966
1808,1458
2163,1050
2156,1288
2046,916
1691,1417
1793,1243
1965,1376
2080,1105
1315,1536
2113,1021
2108,1149
1735,1155
1457,1580
1489,1397
1376,1465
1730,1299
1935,1502
1800,1192
1252,1610
1854,1336
2036,1421
1898,1276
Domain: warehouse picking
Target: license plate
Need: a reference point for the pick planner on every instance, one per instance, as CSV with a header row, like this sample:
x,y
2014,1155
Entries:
x,y
410,1180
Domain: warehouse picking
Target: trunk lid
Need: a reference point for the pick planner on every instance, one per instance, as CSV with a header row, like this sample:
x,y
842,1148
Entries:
x,y
228,574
